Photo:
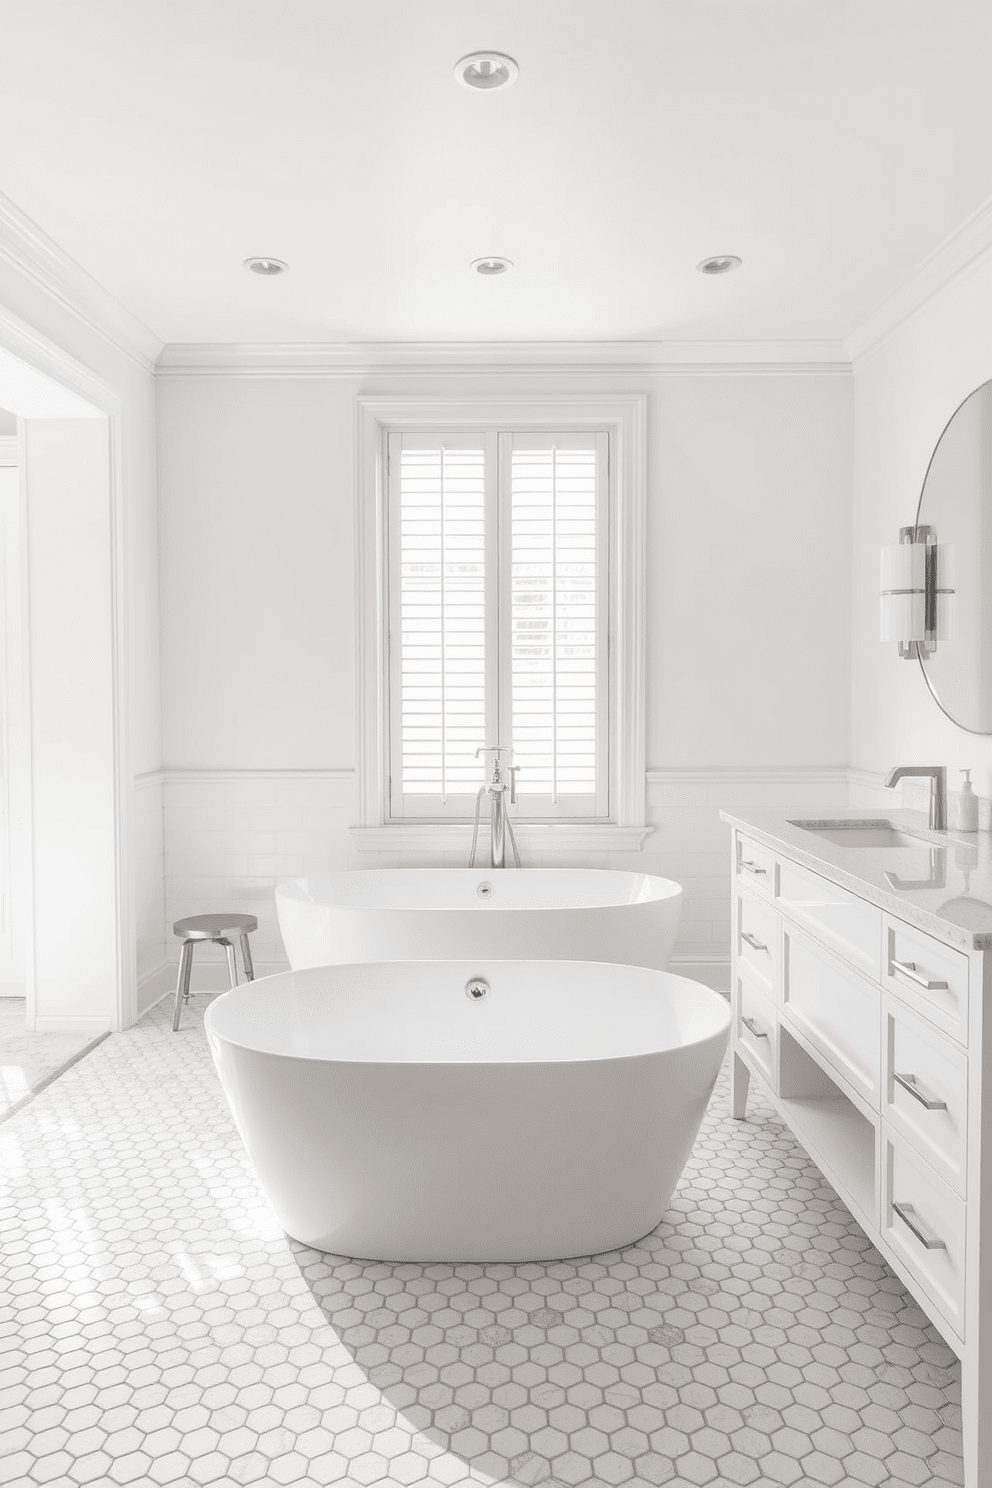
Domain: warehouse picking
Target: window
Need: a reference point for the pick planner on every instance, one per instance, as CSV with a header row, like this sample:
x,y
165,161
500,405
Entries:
x,y
500,552
498,561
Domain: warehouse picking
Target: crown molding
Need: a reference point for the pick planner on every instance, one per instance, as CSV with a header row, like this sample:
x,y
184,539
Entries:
x,y
29,250
967,247
505,358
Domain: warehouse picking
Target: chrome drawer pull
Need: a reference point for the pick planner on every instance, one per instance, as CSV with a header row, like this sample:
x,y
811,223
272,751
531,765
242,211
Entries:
x,y
751,867
756,945
921,1230
908,1082
908,970
753,1028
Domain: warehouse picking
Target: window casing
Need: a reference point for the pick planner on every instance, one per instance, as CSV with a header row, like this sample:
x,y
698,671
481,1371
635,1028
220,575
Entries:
x,y
621,420
498,619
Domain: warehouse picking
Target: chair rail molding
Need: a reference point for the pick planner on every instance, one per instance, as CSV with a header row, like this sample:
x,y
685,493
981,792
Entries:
x,y
205,774
751,774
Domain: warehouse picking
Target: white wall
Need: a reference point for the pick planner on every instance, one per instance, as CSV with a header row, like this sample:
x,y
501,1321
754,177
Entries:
x,y
748,562
905,391
748,557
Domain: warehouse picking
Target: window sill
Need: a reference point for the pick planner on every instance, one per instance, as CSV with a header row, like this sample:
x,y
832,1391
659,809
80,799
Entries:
x,y
417,838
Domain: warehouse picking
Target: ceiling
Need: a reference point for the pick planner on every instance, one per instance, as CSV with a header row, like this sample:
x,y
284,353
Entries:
x,y
832,145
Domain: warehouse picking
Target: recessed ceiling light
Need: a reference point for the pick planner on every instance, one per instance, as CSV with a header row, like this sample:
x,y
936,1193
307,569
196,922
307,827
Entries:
x,y
490,267
267,266
486,70
723,263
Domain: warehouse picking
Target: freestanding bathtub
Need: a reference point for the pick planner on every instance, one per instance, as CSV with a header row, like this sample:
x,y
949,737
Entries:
x,y
468,1110
585,914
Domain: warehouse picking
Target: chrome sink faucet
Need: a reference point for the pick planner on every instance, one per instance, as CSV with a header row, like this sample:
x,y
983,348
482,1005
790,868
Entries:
x,y
937,775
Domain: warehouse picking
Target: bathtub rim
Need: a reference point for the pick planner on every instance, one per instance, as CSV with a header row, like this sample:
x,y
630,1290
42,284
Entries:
x,y
224,998
672,890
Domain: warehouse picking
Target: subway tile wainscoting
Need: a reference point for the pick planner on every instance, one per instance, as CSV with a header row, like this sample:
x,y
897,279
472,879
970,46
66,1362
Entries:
x,y
231,835
161,1329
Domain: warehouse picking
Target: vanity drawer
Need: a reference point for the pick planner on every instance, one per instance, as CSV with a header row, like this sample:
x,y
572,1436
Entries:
x,y
928,1235
837,1012
842,921
757,931
930,976
925,1092
755,865
756,1026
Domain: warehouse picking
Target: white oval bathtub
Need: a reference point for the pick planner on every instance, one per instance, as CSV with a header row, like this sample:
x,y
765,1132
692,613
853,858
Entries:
x,y
388,1115
584,914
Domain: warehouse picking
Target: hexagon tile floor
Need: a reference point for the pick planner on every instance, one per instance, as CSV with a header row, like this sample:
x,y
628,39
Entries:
x,y
159,1328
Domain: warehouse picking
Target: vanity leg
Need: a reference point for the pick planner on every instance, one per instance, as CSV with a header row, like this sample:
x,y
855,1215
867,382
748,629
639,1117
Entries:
x,y
740,1080
976,1425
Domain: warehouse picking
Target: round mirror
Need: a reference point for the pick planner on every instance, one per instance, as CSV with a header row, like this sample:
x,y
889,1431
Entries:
x,y
956,503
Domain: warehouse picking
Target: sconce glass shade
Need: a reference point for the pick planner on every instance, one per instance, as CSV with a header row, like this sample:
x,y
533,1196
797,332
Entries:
x,y
917,599
903,598
903,618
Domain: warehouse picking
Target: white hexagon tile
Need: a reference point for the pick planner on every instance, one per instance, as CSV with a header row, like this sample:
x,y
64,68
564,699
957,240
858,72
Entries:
x,y
158,1328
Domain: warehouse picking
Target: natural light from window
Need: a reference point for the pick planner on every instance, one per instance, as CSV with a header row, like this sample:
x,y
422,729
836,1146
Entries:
x,y
498,611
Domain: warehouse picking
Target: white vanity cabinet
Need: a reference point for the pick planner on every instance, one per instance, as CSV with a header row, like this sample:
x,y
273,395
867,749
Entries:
x,y
867,1034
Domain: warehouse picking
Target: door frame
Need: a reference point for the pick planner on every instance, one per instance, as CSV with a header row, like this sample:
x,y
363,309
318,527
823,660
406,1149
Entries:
x,y
38,379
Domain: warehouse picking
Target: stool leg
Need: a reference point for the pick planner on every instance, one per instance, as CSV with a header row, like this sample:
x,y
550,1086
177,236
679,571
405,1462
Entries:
x,y
246,958
182,981
232,967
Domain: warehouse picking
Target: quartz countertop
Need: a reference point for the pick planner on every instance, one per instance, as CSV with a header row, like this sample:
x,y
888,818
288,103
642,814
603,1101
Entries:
x,y
943,885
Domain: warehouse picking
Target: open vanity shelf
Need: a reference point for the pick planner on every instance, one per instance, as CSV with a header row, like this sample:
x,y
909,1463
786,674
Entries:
x,y
861,1014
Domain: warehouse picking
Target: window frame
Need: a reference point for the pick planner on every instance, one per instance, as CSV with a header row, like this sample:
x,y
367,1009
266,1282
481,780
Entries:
x,y
623,418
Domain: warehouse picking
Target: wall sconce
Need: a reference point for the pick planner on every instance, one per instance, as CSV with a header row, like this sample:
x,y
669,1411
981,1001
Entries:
x,y
914,611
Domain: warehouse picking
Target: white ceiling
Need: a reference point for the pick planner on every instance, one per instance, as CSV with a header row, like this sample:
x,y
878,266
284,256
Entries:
x,y
832,145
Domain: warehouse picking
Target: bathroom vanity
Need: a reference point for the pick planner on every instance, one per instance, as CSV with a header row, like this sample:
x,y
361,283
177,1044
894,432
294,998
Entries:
x,y
862,968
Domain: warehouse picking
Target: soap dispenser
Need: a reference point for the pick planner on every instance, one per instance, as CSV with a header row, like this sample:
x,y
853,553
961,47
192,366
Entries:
x,y
967,806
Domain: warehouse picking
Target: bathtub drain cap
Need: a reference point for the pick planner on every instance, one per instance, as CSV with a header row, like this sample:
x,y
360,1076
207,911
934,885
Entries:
x,y
476,988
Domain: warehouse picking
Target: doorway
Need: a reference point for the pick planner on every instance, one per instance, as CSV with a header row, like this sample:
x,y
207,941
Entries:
x,y
29,1060
66,939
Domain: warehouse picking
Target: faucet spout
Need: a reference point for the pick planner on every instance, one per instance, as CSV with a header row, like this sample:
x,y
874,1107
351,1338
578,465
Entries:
x,y
937,775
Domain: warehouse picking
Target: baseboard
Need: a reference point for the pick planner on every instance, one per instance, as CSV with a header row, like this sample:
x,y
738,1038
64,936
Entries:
x,y
96,1024
712,972
155,986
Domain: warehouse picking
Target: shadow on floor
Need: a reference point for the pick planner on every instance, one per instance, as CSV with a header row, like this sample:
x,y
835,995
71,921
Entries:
x,y
755,1337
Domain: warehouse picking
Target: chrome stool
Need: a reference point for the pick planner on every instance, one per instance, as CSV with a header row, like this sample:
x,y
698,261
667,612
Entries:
x,y
217,928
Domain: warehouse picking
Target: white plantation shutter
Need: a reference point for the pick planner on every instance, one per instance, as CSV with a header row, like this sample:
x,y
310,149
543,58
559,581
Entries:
x,y
440,704
498,614
555,680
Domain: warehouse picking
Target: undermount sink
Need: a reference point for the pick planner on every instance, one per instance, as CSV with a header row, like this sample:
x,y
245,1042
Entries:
x,y
870,834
